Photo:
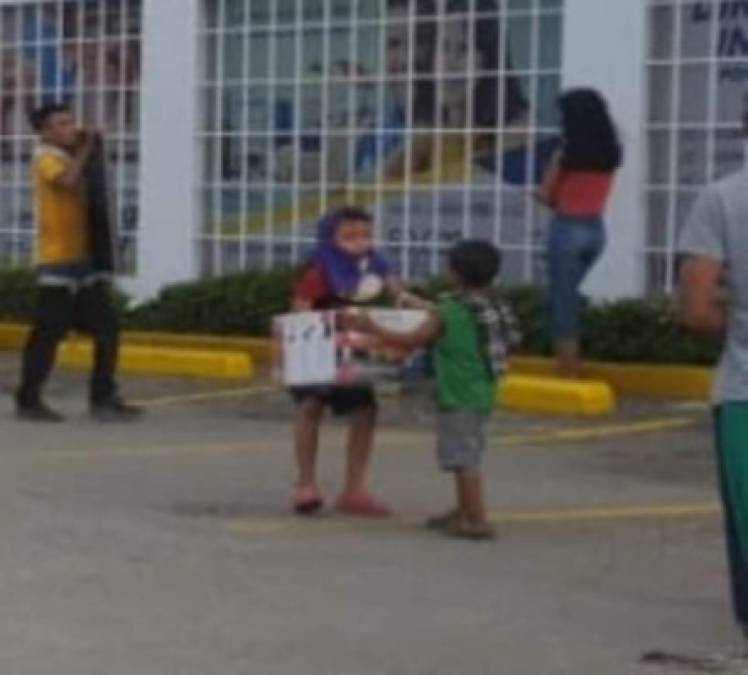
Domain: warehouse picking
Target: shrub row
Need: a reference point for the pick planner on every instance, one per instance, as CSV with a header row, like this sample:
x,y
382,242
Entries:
x,y
631,330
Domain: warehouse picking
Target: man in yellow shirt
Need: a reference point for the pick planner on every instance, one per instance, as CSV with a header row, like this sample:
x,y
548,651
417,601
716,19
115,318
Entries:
x,y
74,291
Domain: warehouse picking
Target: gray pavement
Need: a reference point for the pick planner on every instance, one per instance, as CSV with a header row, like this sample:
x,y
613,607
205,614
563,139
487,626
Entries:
x,y
166,547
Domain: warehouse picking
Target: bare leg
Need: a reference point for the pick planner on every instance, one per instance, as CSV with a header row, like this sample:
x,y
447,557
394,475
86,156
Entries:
x,y
471,504
306,434
355,499
568,363
360,444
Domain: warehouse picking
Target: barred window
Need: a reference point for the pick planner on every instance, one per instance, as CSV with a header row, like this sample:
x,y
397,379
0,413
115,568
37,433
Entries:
x,y
697,70
436,115
85,53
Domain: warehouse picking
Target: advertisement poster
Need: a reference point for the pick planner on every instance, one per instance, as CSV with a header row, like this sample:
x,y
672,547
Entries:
x,y
443,121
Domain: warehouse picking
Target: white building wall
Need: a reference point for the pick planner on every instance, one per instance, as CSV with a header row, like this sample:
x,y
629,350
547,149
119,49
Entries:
x,y
169,207
605,47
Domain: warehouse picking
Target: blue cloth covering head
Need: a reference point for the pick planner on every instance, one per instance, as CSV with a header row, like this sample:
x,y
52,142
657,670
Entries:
x,y
344,271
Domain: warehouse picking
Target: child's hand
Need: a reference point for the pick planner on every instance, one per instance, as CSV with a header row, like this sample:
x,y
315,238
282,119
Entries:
x,y
407,300
358,321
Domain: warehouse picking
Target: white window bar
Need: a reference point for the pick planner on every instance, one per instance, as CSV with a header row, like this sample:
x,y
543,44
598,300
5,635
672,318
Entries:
x,y
243,140
532,114
296,190
404,244
218,145
499,144
271,188
469,137
438,152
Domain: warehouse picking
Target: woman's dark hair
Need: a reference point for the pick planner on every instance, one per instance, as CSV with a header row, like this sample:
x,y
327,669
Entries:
x,y
590,138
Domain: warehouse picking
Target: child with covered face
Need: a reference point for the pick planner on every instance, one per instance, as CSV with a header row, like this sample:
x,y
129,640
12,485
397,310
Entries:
x,y
344,271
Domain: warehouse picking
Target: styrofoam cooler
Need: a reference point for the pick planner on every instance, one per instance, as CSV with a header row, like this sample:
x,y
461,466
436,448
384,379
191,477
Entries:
x,y
311,348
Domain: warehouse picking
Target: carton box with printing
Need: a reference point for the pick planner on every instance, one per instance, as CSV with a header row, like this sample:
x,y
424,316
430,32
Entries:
x,y
314,348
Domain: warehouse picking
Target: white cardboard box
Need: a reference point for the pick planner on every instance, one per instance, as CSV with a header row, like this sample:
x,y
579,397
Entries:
x,y
312,349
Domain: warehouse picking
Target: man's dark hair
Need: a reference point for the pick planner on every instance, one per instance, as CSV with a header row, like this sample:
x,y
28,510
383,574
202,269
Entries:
x,y
38,118
475,262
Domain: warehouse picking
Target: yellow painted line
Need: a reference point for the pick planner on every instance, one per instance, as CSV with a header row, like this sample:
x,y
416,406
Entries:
x,y
610,513
560,436
599,432
693,405
291,524
206,396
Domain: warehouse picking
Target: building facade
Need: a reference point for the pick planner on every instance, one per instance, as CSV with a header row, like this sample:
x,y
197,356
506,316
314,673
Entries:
x,y
232,124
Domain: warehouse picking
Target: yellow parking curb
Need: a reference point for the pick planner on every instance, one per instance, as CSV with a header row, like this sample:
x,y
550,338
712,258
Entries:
x,y
259,349
534,393
138,359
13,336
669,381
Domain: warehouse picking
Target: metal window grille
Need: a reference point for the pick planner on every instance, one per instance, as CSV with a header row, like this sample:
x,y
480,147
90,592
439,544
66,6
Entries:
x,y
436,115
86,53
697,71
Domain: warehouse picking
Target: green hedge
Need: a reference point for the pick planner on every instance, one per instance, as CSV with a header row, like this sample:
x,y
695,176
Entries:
x,y
644,331
241,304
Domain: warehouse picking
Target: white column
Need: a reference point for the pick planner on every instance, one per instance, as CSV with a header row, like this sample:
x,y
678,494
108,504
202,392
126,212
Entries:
x,y
168,178
605,48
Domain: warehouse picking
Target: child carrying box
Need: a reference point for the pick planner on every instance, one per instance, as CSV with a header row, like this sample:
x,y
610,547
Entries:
x,y
345,271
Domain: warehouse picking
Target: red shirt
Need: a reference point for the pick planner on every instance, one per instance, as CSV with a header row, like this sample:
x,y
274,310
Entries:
x,y
582,193
314,288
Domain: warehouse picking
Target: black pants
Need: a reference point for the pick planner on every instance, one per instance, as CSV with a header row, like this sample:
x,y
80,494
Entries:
x,y
88,309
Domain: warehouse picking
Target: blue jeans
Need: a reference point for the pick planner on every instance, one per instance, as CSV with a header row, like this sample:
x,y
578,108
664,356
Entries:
x,y
575,244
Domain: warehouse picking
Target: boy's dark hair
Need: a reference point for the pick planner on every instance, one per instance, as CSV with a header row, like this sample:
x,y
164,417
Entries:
x,y
38,117
352,213
475,262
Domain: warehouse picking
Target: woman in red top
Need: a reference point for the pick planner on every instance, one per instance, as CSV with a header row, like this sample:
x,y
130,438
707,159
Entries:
x,y
576,186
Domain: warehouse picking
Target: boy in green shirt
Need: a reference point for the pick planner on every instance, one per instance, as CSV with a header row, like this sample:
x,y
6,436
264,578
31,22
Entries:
x,y
470,331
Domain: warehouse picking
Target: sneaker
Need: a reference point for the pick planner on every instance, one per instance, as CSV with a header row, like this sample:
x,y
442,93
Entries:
x,y
362,504
115,410
39,412
460,529
306,499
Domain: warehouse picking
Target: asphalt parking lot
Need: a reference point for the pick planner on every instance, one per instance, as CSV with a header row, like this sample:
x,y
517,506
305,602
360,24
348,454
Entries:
x,y
167,547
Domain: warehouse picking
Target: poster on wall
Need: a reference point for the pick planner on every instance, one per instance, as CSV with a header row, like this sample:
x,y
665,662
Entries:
x,y
430,131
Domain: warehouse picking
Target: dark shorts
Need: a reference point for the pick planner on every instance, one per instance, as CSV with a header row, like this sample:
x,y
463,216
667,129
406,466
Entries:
x,y
340,400
461,439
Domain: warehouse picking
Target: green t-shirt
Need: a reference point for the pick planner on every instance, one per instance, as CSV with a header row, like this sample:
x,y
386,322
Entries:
x,y
463,380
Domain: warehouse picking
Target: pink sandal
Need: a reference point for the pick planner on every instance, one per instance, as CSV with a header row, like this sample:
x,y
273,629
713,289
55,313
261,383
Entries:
x,y
362,504
306,499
